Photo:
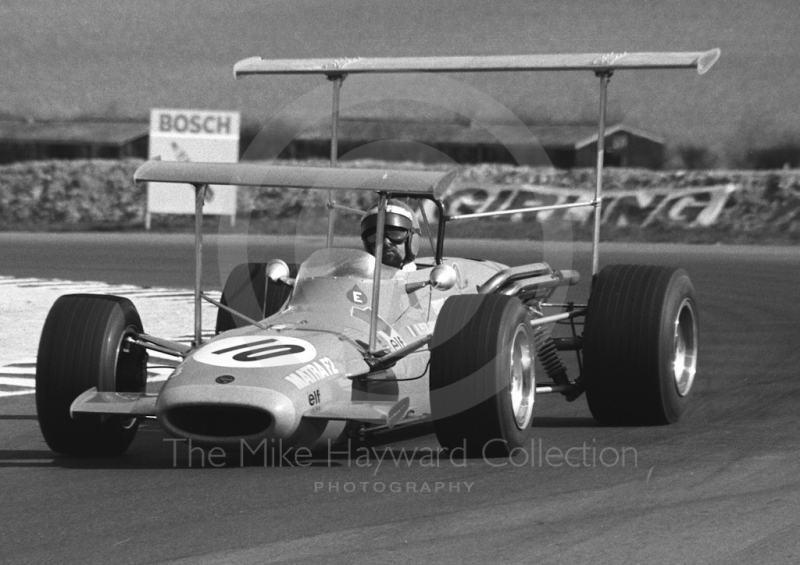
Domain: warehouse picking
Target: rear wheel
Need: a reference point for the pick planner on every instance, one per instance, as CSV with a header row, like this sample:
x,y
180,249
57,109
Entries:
x,y
640,345
482,374
83,346
249,292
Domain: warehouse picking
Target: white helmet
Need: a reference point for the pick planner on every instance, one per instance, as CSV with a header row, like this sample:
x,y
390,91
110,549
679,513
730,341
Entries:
x,y
400,215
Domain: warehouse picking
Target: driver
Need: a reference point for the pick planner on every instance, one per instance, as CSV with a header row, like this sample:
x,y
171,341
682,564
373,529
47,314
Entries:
x,y
400,238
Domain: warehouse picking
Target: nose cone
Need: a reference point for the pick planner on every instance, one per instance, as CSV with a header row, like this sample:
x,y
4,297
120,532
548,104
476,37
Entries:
x,y
226,414
250,385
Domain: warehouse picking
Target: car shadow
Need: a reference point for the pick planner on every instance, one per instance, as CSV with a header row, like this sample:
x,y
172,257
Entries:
x,y
563,422
396,435
44,458
10,458
154,449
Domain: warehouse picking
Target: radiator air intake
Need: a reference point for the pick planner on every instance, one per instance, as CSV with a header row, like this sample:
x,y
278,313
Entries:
x,y
219,421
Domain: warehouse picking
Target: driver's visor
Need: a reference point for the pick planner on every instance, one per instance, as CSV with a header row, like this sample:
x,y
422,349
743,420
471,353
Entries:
x,y
394,234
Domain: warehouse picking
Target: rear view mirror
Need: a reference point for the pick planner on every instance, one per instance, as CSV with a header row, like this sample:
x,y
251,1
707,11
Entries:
x,y
278,271
443,277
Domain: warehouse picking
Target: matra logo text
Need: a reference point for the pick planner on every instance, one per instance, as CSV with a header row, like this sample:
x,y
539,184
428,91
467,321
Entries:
x,y
313,372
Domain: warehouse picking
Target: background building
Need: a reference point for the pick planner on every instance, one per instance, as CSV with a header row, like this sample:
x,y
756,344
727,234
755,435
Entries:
x,y
30,140
567,145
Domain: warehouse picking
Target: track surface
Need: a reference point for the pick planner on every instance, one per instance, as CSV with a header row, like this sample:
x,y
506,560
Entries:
x,y
722,486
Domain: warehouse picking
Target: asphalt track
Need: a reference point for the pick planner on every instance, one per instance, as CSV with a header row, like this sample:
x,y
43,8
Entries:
x,y
722,486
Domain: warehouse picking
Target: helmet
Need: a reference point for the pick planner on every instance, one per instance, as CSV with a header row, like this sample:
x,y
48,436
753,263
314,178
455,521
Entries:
x,y
398,214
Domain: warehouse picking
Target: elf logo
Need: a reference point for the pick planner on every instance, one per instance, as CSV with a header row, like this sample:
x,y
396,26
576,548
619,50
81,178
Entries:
x,y
385,331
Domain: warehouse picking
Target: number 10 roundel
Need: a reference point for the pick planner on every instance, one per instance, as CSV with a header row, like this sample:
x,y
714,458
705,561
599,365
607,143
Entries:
x,y
257,351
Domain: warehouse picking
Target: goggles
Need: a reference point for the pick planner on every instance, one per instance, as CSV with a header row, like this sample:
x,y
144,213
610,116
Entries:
x,y
393,234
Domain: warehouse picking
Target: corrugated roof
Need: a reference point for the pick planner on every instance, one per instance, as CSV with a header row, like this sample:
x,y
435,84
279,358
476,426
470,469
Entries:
x,y
72,133
562,135
377,129
614,129
568,135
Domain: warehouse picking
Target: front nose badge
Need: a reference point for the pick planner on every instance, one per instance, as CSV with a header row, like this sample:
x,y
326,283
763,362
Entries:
x,y
224,379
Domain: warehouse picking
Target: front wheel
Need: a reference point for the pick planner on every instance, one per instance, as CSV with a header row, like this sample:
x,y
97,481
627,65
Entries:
x,y
482,380
82,346
640,345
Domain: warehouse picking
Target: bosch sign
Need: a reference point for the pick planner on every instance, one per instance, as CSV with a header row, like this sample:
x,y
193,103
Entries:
x,y
192,135
203,123
194,122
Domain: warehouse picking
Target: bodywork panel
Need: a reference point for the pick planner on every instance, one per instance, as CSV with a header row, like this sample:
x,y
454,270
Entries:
x,y
304,376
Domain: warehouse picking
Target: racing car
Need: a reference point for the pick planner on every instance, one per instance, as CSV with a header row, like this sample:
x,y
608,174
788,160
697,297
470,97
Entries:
x,y
343,345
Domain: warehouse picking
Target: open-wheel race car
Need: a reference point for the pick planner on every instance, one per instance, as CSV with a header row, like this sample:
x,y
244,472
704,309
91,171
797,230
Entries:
x,y
342,344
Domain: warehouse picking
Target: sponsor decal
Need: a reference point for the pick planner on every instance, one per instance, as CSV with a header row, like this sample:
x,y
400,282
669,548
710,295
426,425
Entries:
x,y
608,59
256,352
701,206
386,332
421,329
314,398
314,372
194,122
357,296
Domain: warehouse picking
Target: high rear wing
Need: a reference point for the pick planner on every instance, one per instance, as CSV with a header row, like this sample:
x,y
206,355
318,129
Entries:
x,y
426,184
597,62
601,64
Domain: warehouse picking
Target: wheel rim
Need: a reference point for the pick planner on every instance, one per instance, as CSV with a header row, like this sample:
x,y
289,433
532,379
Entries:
x,y
523,383
684,358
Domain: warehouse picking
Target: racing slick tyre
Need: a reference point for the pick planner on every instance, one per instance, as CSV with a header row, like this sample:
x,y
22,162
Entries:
x,y
482,380
249,292
82,346
640,345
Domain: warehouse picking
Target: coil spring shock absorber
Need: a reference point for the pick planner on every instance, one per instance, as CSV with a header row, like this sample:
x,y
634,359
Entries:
x,y
548,356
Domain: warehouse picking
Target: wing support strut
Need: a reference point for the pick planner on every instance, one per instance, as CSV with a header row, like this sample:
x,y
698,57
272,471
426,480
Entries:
x,y
199,198
376,278
604,76
337,81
